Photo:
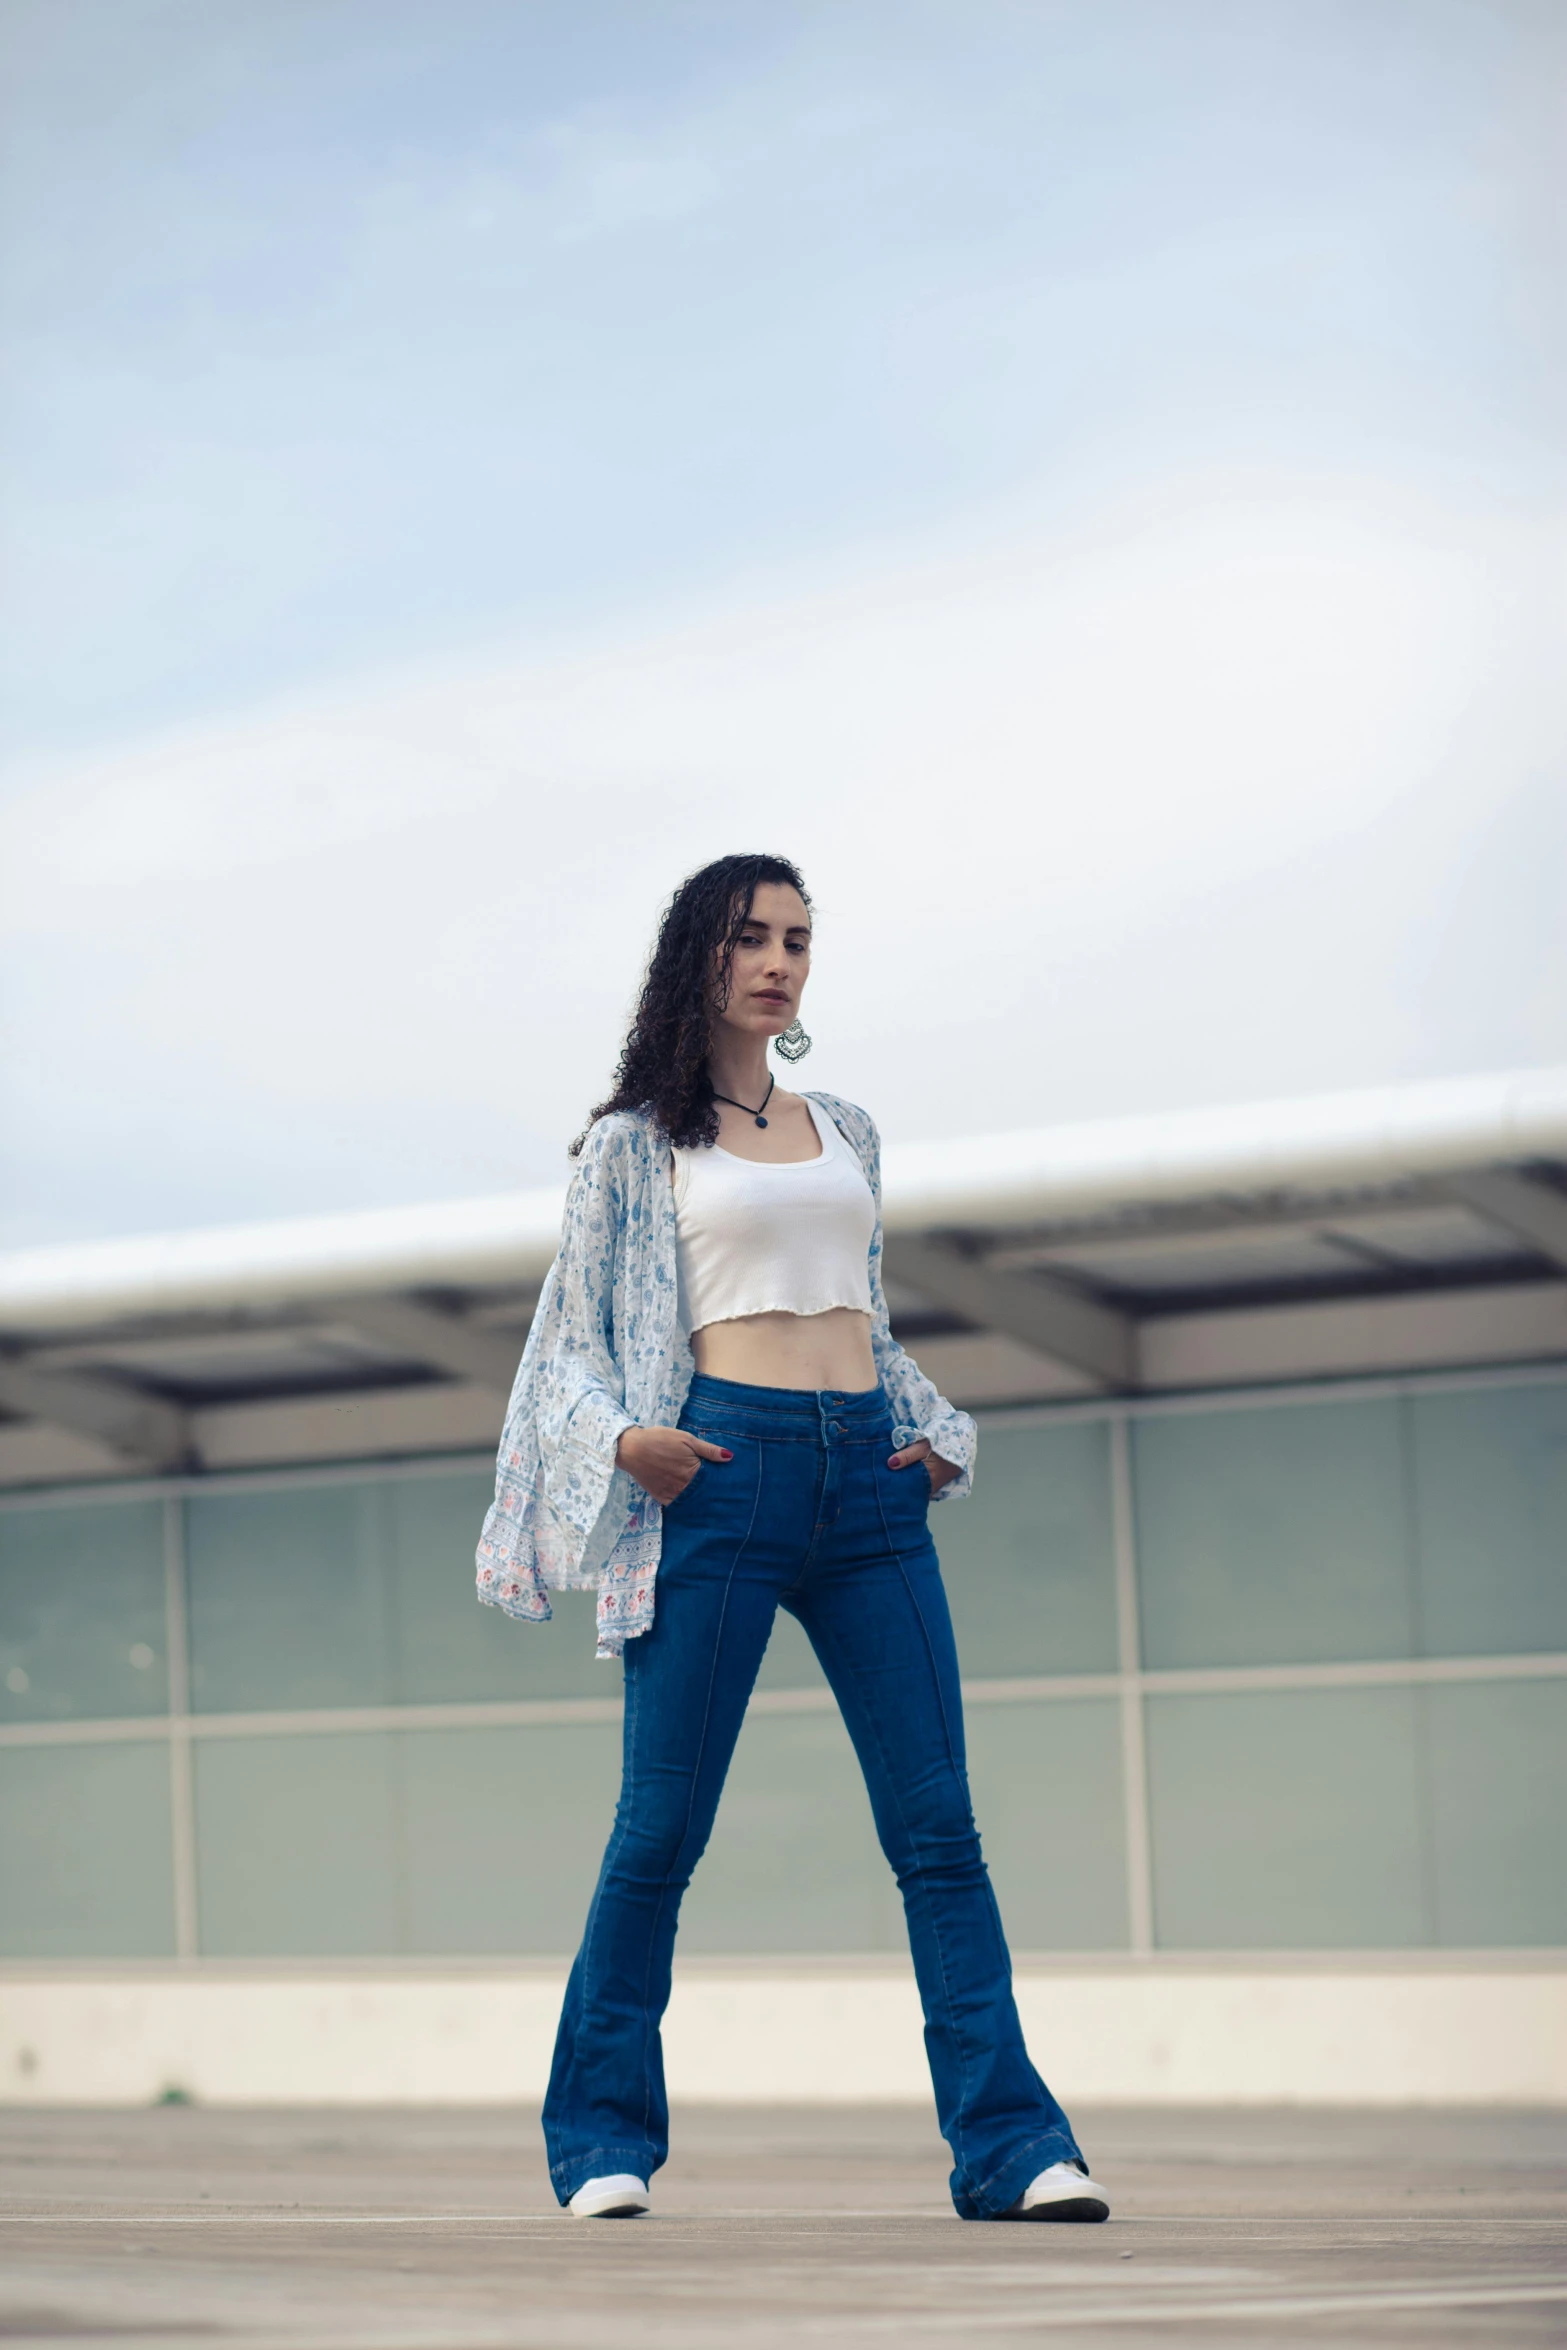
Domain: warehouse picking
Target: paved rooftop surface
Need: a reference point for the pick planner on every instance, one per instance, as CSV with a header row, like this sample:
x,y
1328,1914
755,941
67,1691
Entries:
x,y
259,2229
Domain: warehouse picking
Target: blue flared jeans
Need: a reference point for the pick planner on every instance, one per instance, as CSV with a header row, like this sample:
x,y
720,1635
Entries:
x,y
807,1516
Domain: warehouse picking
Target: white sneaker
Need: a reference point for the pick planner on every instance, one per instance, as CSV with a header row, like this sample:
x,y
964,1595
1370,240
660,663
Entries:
x,y
1061,2192
619,2197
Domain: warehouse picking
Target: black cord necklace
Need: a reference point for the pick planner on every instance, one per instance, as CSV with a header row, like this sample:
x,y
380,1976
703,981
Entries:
x,y
750,1113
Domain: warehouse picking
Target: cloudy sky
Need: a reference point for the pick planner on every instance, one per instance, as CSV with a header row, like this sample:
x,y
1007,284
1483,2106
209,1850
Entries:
x,y
1085,477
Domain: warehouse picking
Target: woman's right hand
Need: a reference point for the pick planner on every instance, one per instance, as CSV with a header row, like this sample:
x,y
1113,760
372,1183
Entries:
x,y
664,1460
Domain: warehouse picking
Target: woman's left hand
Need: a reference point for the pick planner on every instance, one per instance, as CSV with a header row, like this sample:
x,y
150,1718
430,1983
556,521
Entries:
x,y
939,1472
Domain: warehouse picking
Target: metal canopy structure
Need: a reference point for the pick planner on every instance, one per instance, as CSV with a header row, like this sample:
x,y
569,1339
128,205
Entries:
x,y
1402,1230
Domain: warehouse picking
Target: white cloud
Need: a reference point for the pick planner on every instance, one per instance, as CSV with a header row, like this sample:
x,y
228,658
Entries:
x,y
1156,806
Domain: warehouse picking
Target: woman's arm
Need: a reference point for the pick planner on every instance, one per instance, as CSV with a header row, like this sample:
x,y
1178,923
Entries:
x,y
924,1423
923,1420
589,1415
581,1383
664,1460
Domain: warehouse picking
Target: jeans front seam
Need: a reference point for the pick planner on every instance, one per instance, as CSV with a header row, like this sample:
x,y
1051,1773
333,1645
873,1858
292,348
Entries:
x,y
917,1848
896,1554
617,1833
648,2026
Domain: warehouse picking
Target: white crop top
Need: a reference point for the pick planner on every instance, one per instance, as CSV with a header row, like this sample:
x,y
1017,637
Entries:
x,y
757,1239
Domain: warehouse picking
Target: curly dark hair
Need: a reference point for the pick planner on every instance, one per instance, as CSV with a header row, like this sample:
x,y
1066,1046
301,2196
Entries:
x,y
663,1063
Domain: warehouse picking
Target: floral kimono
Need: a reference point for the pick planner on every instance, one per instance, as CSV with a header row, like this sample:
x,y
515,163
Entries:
x,y
606,1352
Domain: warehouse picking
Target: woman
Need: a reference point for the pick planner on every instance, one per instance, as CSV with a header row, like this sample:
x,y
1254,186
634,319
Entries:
x,y
712,1420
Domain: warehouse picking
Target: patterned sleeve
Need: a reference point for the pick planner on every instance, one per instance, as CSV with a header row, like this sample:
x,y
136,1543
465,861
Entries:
x,y
918,1408
581,1386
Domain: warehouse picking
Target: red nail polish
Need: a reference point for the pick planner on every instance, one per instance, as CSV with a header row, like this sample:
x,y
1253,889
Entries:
x,y
728,1456
893,1461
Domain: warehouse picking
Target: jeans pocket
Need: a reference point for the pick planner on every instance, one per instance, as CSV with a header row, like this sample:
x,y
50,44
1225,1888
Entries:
x,y
684,1495
718,1486
910,1495
695,1493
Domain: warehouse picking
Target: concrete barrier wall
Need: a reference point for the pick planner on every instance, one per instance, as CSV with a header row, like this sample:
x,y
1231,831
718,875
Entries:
x,y
1388,2036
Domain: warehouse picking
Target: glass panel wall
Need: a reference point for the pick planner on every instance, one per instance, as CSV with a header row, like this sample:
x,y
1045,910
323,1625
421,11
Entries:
x,y
1029,1556
361,1594
1276,1535
1289,1819
288,1600
1489,1474
296,1845
793,1864
86,1851
505,1829
1499,1812
403,1843
1306,1577
1051,1806
82,1633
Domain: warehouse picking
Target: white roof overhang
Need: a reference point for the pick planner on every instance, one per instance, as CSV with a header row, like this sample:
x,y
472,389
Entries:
x,y
1374,1230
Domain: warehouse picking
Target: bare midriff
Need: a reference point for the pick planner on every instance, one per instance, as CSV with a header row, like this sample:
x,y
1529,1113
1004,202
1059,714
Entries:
x,y
831,1350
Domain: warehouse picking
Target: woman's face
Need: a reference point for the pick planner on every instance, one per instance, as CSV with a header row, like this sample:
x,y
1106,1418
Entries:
x,y
772,960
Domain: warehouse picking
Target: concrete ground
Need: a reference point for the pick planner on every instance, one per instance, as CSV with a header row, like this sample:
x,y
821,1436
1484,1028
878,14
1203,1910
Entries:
x,y
290,2229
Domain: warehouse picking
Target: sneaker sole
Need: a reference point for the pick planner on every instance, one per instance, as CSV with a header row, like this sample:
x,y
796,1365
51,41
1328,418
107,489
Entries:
x,y
1080,2207
614,2211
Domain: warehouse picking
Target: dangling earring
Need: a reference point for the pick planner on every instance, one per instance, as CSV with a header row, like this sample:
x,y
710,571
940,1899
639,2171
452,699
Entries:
x,y
794,1044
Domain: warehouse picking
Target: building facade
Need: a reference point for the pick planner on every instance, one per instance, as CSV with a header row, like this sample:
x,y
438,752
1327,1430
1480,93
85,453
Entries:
x,y
1266,1676
1282,1673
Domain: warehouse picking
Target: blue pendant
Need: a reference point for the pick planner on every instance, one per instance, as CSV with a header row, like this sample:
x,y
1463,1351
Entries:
x,y
761,1121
